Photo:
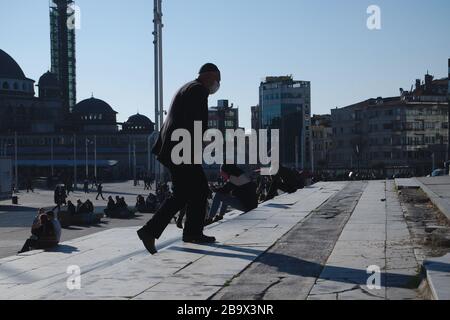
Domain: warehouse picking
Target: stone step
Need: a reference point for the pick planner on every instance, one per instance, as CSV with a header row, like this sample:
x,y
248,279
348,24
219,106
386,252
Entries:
x,y
114,264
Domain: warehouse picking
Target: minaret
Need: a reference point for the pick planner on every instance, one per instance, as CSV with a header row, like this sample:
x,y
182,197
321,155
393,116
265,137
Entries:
x,y
62,37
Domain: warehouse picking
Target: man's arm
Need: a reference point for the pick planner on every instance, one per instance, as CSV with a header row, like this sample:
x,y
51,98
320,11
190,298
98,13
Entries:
x,y
199,103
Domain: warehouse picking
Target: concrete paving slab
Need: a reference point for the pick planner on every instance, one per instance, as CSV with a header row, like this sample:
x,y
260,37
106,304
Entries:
x,y
360,246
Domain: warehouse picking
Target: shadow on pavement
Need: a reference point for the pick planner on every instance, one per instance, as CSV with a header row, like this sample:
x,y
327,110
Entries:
x,y
298,267
11,208
63,249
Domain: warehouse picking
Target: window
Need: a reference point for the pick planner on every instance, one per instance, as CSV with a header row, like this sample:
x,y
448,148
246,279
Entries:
x,y
5,85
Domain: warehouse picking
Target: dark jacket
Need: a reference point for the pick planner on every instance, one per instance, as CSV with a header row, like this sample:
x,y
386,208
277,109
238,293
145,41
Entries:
x,y
189,104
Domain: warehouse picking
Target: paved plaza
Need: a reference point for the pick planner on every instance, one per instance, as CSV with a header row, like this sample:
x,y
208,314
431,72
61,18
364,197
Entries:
x,y
15,221
321,243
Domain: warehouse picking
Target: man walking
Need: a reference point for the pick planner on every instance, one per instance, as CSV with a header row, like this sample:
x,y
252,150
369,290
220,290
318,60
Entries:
x,y
99,191
190,186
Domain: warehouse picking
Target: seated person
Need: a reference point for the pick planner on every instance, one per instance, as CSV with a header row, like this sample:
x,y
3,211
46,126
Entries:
x,y
56,224
140,204
110,207
80,206
71,209
151,203
89,206
123,204
45,234
118,202
285,180
239,192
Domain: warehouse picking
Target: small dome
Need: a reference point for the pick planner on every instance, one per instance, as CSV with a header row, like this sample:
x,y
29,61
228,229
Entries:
x,y
139,119
93,105
48,79
9,68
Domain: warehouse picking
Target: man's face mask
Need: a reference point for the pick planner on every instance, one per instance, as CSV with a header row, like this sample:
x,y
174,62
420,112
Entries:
x,y
215,87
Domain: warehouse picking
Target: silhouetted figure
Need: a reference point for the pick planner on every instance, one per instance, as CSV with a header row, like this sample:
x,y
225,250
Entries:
x,y
99,191
189,105
30,185
86,186
60,197
286,180
71,208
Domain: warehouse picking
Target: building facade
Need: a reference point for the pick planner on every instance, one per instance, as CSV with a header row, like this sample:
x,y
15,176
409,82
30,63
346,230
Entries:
x,y
223,116
322,137
285,104
43,140
256,117
406,135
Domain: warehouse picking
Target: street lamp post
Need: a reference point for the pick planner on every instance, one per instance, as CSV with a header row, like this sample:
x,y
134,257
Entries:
x,y
95,157
448,101
51,157
15,161
158,55
87,165
134,162
75,160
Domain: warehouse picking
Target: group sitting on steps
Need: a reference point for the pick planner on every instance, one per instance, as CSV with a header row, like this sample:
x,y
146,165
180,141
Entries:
x,y
118,209
45,232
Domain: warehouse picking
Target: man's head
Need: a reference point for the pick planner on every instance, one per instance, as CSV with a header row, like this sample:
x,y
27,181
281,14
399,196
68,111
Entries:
x,y
209,76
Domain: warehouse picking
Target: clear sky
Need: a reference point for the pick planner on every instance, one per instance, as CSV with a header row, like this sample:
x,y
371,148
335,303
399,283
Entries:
x,y
324,41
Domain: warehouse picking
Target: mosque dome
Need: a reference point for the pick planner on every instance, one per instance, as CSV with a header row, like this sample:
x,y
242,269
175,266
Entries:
x,y
93,106
139,123
9,68
48,79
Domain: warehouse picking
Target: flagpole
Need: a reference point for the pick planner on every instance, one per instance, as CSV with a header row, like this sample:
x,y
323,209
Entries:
x,y
16,164
75,161
51,156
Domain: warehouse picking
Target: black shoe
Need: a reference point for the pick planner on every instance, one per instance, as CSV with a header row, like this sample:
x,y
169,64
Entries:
x,y
199,239
148,240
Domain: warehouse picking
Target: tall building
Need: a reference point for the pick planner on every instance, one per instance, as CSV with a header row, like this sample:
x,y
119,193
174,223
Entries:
x,y
224,116
256,117
406,134
285,104
62,44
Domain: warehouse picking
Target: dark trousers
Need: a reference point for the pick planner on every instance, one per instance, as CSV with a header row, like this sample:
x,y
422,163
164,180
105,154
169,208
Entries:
x,y
190,190
31,244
